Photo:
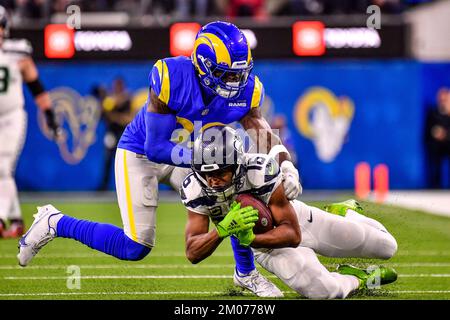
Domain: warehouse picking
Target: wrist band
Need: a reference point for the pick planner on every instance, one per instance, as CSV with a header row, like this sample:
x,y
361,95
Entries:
x,y
35,87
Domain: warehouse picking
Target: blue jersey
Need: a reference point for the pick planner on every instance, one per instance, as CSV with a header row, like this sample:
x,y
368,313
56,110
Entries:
x,y
176,83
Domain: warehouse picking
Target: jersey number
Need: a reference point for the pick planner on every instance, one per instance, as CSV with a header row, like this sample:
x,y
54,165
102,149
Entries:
x,y
187,181
4,79
256,163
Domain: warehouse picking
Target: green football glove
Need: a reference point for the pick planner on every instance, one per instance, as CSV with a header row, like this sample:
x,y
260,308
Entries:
x,y
237,219
246,237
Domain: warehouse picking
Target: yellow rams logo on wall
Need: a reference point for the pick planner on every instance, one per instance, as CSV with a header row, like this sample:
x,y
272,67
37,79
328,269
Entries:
x,y
324,119
78,117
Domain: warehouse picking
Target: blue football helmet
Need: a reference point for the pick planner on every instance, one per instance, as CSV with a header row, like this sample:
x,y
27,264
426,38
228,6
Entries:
x,y
222,58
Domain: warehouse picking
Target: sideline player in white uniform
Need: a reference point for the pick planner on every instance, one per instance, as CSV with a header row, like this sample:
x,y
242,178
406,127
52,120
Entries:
x,y
222,171
16,67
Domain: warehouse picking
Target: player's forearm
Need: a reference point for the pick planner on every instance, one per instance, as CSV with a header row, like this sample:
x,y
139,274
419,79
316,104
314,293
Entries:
x,y
282,236
274,140
41,96
158,147
202,246
262,134
43,101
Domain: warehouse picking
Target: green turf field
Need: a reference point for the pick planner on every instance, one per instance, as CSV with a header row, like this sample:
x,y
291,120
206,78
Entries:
x,y
422,261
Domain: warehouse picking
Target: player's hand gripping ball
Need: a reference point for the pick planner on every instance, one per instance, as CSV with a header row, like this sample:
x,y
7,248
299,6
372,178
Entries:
x,y
265,221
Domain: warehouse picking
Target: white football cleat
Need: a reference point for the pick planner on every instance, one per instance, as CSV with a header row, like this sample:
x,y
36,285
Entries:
x,y
258,284
41,232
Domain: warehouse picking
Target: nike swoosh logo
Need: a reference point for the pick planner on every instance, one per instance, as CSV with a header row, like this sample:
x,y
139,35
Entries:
x,y
310,217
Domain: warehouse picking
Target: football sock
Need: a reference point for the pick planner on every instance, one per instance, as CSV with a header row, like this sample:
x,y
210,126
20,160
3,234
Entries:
x,y
8,195
346,284
243,256
102,237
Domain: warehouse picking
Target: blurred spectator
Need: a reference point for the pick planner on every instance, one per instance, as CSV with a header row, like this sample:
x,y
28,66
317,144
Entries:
x,y
117,113
329,7
242,8
34,9
437,137
295,7
8,4
187,9
280,126
389,6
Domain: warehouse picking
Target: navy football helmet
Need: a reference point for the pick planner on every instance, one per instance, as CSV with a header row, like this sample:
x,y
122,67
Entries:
x,y
218,149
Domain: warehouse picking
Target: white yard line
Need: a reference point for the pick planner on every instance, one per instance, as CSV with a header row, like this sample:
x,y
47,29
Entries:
x,y
102,256
422,253
103,277
420,291
218,254
125,277
127,266
112,293
201,266
425,275
41,294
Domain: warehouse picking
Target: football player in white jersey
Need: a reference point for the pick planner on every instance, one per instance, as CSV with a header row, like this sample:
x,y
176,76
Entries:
x,y
16,67
221,171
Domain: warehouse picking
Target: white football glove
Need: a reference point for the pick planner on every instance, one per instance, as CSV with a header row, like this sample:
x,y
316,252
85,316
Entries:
x,y
291,180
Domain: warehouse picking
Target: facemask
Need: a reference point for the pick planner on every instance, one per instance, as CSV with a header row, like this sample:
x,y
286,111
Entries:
x,y
224,93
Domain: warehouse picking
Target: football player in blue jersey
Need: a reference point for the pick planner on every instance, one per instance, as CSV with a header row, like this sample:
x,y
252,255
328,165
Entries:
x,y
186,95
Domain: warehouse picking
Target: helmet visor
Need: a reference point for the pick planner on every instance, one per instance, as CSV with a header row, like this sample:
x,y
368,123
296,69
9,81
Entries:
x,y
232,76
228,83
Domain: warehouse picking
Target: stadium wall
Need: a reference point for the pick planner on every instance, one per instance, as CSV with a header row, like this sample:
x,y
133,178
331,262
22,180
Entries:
x,y
338,112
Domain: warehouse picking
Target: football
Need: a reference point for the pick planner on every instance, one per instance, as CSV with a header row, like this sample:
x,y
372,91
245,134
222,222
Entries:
x,y
265,221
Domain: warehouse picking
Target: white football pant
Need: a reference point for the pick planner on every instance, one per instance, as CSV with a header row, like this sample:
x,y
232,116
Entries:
x,y
137,192
13,126
330,235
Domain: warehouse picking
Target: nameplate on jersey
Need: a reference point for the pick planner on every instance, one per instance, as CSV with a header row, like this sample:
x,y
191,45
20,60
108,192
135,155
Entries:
x,y
242,104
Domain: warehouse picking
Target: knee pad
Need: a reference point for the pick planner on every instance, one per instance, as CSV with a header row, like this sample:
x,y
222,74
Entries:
x,y
347,234
322,287
388,248
135,251
5,168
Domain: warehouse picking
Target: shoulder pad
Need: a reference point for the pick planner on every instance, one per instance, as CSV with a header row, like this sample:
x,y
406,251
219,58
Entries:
x,y
160,80
169,79
257,94
262,169
18,46
192,195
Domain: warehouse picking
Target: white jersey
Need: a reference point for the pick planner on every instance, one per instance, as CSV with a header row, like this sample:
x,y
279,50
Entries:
x,y
11,93
263,176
